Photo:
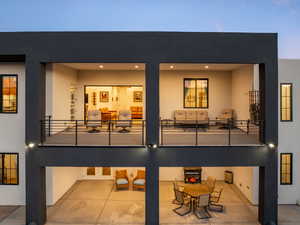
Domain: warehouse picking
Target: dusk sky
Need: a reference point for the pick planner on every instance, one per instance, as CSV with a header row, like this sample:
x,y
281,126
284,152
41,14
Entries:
x,y
280,16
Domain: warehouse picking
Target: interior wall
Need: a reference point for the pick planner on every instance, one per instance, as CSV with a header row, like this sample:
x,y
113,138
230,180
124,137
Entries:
x,y
176,173
89,77
59,180
60,79
12,136
246,179
171,91
242,83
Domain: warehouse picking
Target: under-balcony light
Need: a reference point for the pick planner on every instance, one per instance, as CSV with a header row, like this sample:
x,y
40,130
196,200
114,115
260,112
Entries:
x,y
152,145
136,66
206,67
171,67
101,66
271,145
31,145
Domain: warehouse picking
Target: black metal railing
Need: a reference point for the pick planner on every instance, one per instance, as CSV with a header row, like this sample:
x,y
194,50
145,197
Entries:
x,y
92,132
225,132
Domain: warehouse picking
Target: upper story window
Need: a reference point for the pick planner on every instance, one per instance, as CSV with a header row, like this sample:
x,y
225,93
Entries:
x,y
9,164
195,93
8,93
286,168
286,102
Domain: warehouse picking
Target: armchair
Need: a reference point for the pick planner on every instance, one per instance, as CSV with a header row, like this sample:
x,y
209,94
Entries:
x,y
93,121
121,180
139,182
124,121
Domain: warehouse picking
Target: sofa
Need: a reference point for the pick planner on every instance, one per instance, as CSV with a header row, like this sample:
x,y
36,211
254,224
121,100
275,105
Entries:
x,y
191,118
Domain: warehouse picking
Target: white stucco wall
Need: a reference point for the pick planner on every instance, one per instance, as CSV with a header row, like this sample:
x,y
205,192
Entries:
x,y
289,72
12,137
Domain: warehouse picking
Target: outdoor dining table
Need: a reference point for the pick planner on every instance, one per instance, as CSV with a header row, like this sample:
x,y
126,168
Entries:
x,y
194,191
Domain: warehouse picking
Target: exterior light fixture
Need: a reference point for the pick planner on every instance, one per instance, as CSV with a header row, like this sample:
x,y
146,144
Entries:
x,y
171,67
101,66
31,145
206,67
136,66
152,146
271,145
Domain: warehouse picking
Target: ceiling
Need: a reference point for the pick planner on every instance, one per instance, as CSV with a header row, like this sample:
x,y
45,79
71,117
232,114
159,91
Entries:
x,y
163,66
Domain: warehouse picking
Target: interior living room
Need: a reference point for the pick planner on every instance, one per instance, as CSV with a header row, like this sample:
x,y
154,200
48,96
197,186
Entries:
x,y
209,104
94,104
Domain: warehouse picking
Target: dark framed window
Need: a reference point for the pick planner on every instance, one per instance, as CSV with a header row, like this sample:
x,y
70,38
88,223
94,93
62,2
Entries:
x,y
9,168
286,168
195,93
286,102
8,93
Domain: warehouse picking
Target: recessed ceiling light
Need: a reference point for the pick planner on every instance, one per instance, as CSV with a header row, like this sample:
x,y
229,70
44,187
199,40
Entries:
x,y
171,67
206,67
136,66
101,66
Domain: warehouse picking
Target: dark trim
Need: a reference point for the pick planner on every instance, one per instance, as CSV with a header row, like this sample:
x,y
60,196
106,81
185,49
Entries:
x,y
291,168
291,102
1,91
184,106
18,178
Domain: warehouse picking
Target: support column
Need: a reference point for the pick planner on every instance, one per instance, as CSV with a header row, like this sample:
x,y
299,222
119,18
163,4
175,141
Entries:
x,y
35,111
152,195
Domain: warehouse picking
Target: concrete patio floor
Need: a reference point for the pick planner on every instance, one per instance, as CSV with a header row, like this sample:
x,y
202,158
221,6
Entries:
x,y
96,202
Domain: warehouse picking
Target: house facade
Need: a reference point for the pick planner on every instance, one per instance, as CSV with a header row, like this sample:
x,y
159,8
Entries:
x,y
175,87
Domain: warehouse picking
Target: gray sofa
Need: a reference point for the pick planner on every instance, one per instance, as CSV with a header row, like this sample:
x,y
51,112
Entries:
x,y
190,118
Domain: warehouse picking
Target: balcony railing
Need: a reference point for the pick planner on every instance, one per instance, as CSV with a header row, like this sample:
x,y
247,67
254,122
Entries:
x,y
210,132
92,132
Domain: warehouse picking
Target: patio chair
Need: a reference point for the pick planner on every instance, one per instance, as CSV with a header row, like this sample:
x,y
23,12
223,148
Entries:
x,y
201,205
93,121
214,200
122,181
139,182
225,118
184,202
124,121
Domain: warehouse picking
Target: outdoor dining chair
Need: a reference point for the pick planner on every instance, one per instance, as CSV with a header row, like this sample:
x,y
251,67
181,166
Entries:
x,y
201,206
184,202
214,201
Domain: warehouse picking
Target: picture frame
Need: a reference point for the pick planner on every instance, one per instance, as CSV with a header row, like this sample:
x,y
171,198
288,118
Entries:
x,y
104,96
137,96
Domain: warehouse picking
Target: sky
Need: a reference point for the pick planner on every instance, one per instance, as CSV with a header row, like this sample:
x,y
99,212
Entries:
x,y
279,16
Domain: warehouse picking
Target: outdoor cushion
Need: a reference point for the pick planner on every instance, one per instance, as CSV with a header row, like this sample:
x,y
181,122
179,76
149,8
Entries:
x,y
139,182
122,181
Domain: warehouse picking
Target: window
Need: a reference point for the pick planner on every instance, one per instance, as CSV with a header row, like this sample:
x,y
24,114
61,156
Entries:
x,y
286,168
195,93
8,94
286,107
9,168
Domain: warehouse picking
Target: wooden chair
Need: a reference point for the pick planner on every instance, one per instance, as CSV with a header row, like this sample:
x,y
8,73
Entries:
x,y
139,182
211,182
201,205
121,180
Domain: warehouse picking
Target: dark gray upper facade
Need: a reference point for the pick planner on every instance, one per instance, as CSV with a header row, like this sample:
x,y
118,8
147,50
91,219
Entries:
x,y
151,48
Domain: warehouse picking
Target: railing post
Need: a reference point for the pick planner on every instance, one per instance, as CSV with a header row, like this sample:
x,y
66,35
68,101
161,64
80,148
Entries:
x,y
196,132
49,126
109,132
76,132
143,127
42,133
161,133
248,126
229,132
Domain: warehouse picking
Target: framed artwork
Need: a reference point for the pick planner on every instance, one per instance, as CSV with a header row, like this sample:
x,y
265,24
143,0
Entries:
x,y
137,96
91,171
106,171
104,96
